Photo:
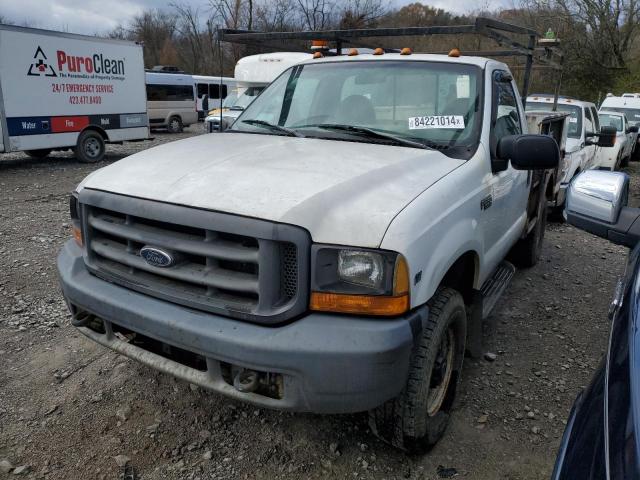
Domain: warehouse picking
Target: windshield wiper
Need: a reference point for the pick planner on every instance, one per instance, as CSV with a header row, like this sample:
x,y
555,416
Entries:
x,y
263,123
371,133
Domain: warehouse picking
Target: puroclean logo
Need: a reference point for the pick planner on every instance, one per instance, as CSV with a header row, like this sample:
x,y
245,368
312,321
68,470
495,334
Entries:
x,y
40,67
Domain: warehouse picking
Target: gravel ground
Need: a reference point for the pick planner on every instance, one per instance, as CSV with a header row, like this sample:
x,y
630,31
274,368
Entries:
x,y
71,409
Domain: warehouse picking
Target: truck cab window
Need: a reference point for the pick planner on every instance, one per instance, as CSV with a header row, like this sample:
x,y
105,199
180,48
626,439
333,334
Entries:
x,y
588,120
596,120
507,120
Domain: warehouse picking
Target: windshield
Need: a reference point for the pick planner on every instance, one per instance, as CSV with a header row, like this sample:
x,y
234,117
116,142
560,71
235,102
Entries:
x,y
633,114
230,100
435,104
611,121
247,97
575,119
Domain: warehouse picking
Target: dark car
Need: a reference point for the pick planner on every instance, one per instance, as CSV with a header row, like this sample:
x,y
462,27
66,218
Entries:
x,y
601,440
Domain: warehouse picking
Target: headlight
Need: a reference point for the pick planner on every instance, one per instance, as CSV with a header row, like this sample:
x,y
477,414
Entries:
x,y
362,281
74,213
361,268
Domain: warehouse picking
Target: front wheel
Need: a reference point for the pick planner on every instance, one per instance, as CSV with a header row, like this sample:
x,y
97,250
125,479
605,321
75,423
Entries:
x,y
90,147
40,153
417,418
624,162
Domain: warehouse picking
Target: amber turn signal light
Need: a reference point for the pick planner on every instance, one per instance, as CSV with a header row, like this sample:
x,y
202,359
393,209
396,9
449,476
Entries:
x,y
360,304
77,234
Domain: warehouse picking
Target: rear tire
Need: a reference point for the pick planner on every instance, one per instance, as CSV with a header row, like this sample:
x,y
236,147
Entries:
x,y
90,147
417,418
526,252
40,153
174,125
624,162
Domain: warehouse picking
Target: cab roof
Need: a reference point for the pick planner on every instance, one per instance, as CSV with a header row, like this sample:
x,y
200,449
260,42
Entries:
x,y
414,57
548,98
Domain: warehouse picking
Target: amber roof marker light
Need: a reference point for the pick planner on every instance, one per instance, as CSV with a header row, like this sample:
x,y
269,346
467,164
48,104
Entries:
x,y
454,52
378,51
406,51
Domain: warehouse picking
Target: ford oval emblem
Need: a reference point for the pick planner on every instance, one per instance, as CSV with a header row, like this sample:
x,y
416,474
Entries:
x,y
157,257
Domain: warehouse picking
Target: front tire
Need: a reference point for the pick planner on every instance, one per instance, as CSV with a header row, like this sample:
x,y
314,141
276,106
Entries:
x,y
90,147
416,419
40,153
624,162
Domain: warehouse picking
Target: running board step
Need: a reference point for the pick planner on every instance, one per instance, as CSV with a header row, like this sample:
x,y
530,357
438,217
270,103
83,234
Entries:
x,y
494,286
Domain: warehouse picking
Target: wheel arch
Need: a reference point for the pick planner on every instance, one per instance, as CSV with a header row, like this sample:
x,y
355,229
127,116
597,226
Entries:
x,y
462,275
96,128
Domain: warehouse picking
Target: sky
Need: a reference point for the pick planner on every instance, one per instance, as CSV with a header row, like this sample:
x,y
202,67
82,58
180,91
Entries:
x,y
97,16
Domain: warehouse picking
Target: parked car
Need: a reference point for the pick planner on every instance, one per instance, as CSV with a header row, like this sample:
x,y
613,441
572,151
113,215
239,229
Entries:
x,y
612,158
581,149
602,436
629,104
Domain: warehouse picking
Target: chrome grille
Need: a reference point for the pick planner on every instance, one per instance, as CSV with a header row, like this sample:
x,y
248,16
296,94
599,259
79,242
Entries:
x,y
230,272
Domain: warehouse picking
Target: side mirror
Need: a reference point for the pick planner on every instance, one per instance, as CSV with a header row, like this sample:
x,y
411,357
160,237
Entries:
x,y
606,137
597,203
529,152
632,129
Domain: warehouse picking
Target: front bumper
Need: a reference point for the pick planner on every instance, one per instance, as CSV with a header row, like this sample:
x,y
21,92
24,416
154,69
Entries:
x,y
328,363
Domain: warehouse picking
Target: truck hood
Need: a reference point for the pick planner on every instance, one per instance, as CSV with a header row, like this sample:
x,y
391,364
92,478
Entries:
x,y
341,192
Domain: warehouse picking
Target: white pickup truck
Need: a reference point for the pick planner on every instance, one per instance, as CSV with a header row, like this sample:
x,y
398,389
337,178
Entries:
x,y
337,254
582,150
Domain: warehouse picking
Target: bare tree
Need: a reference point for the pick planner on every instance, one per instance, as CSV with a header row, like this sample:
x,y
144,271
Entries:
x,y
190,36
276,15
316,14
361,13
156,29
601,30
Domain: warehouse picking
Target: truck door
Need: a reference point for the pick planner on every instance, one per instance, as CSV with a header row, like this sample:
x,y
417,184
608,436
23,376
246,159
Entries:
x,y
508,187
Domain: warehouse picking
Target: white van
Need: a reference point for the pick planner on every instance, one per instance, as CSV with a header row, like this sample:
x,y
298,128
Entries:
x,y
171,101
61,91
252,74
209,91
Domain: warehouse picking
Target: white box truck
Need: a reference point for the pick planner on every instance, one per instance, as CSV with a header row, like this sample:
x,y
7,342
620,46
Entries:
x,y
60,91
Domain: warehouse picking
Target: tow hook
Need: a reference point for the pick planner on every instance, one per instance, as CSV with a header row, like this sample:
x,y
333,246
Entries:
x,y
246,381
80,318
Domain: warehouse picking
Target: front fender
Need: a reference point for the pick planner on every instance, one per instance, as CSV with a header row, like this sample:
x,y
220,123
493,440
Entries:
x,y
437,228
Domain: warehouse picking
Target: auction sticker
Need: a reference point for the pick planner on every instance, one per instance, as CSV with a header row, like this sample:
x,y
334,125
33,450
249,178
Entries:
x,y
436,121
